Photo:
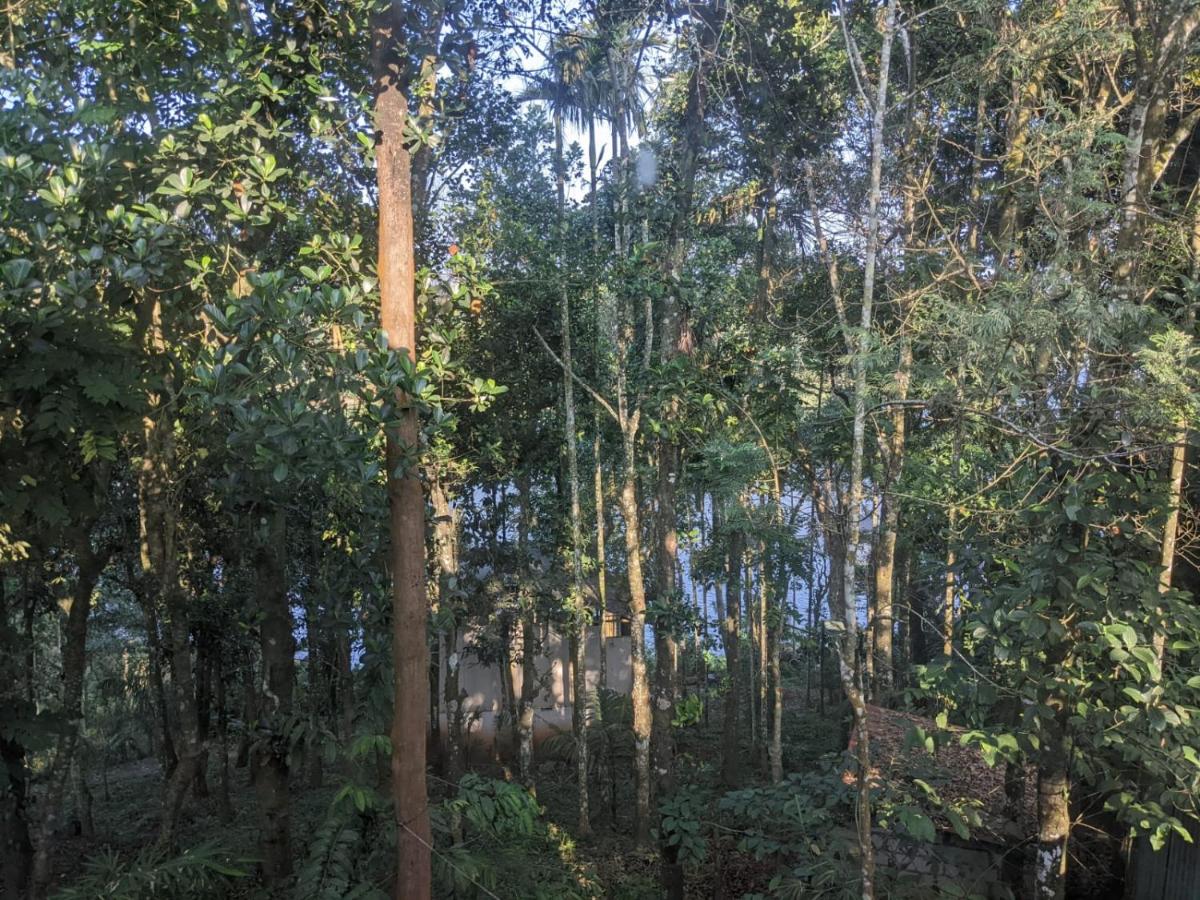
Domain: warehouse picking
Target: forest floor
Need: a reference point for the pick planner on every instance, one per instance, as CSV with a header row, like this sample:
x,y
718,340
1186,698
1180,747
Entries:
x,y
127,807
608,864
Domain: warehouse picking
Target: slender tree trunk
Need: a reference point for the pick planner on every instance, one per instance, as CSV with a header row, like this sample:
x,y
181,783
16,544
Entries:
x,y
16,847
762,658
315,700
1054,820
445,540
637,615
224,799
83,794
406,499
851,678
157,523
601,564
885,567
29,611
578,628
74,662
777,620
203,710
168,758
529,675
731,762
278,646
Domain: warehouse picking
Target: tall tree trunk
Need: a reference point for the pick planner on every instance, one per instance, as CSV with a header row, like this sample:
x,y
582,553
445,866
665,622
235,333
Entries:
x,y
158,533
731,761
16,847
225,804
762,658
642,715
528,643
29,612
445,542
885,560
203,709
578,628
278,646
1054,818
83,794
777,620
601,563
848,665
315,699
406,500
74,662
666,652
168,758
676,340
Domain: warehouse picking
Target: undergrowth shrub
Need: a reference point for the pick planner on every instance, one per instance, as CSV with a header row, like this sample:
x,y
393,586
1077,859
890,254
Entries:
x,y
207,871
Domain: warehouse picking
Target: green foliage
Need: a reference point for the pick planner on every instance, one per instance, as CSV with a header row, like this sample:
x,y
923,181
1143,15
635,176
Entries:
x,y
499,809
343,860
491,838
205,871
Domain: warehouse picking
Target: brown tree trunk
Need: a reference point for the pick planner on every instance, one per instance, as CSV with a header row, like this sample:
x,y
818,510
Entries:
x,y
74,662
406,499
642,715
731,761
848,665
775,625
278,646
203,709
157,531
1054,820
16,847
885,560
578,626
168,758
445,542
528,655
601,564
83,794
224,798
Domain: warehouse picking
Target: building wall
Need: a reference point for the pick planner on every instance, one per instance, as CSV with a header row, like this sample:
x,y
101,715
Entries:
x,y
483,703
1172,873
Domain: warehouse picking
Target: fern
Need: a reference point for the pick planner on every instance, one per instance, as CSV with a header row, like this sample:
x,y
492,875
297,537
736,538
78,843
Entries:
x,y
336,866
205,871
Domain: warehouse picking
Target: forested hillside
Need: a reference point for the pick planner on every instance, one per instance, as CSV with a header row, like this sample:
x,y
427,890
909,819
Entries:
x,y
599,448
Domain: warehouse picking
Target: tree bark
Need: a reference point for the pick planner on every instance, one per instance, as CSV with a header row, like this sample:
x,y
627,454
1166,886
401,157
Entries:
x,y
445,541
528,642
168,758
885,565
74,662
16,847
578,627
731,761
848,665
270,760
158,526
406,498
642,715
1054,820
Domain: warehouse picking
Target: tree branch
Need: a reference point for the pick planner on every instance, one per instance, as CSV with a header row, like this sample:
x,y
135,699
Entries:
x,y
608,408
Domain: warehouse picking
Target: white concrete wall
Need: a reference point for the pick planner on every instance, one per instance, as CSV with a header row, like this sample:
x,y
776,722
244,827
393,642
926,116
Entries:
x,y
484,700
